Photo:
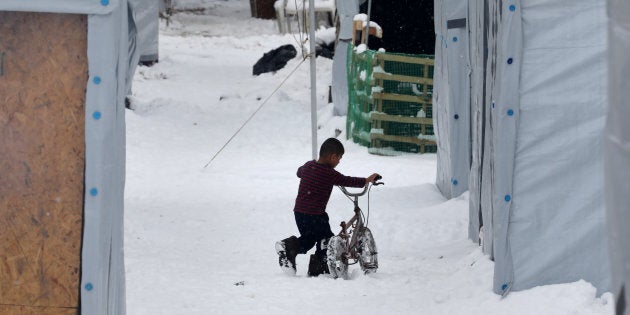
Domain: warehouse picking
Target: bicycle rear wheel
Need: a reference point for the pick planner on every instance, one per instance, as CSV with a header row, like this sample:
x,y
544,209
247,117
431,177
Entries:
x,y
368,255
337,263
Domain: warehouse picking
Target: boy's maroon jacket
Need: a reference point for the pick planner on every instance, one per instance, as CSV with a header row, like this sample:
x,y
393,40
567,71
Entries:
x,y
316,184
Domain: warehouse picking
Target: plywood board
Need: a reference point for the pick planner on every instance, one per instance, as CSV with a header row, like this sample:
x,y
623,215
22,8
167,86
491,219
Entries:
x,y
43,78
29,310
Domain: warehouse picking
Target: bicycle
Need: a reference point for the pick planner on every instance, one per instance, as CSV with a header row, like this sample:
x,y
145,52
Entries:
x,y
355,243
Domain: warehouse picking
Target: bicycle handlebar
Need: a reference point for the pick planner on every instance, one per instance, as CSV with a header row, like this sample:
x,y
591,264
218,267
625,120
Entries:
x,y
365,189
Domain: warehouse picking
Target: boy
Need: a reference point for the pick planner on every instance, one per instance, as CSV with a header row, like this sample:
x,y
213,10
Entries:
x,y
317,179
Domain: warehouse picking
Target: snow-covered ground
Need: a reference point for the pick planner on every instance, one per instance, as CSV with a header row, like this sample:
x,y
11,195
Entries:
x,y
201,240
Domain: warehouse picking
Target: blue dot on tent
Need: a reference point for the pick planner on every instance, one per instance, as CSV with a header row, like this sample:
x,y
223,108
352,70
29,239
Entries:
x,y
512,8
97,80
510,112
89,287
105,2
455,39
504,286
455,182
93,191
509,61
97,115
456,116
508,198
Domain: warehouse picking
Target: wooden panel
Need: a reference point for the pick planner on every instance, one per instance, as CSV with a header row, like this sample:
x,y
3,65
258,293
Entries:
x,y
402,119
402,78
29,310
406,139
400,97
42,96
406,59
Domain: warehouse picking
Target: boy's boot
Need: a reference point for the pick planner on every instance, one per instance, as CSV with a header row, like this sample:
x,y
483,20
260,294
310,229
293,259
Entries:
x,y
287,249
319,262
317,265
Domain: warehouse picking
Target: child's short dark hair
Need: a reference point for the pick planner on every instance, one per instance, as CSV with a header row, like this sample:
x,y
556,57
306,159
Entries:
x,y
331,146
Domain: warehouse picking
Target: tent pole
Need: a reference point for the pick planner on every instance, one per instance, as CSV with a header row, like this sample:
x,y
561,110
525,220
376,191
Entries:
x,y
311,36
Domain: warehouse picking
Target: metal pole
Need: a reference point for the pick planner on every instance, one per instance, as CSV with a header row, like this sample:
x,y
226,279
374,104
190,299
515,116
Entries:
x,y
367,27
311,39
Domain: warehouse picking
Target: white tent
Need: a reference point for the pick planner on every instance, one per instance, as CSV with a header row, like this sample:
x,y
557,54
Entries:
x,y
143,25
346,10
102,280
146,17
617,151
452,97
528,81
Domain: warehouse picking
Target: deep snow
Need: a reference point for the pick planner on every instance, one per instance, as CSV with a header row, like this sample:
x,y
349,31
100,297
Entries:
x,y
201,241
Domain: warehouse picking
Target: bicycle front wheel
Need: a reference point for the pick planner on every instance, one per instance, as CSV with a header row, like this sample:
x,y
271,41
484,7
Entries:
x,y
368,255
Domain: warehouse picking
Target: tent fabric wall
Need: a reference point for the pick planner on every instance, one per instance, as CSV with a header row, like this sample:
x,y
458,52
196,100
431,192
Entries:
x,y
102,274
346,10
477,101
146,16
143,33
487,148
556,217
103,280
451,97
133,50
617,151
537,117
504,117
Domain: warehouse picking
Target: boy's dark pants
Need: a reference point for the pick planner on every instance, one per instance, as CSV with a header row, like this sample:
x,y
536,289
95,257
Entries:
x,y
313,229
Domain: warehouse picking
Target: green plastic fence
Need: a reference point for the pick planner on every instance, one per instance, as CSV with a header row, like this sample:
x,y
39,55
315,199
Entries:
x,y
389,101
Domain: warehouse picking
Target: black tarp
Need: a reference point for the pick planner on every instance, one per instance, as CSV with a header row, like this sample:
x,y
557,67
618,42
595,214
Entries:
x,y
408,26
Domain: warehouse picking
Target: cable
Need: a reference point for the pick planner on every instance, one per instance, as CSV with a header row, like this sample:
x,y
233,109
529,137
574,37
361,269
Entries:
x,y
255,112
368,208
300,42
